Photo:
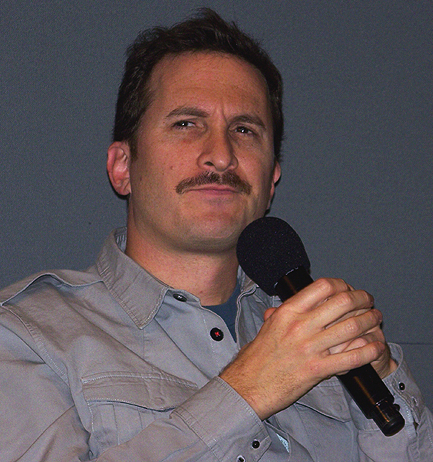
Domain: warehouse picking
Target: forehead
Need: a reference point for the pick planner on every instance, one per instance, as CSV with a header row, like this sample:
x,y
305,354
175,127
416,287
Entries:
x,y
208,73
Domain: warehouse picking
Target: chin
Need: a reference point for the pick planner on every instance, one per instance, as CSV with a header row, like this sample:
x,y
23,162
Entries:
x,y
215,238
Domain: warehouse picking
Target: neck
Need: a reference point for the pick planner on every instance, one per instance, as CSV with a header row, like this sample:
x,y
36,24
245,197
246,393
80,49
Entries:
x,y
209,276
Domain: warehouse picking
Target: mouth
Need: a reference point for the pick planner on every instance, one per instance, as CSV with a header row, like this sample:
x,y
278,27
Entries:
x,y
218,190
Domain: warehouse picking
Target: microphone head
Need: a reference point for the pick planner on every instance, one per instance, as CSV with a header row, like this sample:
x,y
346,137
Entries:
x,y
269,248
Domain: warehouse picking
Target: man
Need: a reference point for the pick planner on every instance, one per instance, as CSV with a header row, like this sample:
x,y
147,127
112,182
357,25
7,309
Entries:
x,y
136,358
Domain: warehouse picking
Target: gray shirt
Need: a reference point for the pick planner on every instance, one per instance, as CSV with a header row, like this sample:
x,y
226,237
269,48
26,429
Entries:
x,y
112,364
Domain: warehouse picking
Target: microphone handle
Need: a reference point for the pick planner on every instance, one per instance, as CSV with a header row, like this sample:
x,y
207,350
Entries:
x,y
363,383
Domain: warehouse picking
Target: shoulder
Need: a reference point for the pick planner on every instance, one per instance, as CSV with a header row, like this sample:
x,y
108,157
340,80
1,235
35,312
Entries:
x,y
43,301
48,282
41,315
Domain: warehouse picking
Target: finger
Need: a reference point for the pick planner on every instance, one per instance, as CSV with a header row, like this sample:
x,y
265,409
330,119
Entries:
x,y
359,342
383,364
315,294
351,329
373,335
342,306
357,357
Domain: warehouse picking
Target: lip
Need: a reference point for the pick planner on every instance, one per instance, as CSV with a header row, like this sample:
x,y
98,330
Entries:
x,y
214,189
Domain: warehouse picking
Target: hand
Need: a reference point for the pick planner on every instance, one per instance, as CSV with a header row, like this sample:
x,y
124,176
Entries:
x,y
384,365
293,350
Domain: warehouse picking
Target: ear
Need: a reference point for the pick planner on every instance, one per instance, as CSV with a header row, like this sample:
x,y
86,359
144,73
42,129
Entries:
x,y
118,161
276,174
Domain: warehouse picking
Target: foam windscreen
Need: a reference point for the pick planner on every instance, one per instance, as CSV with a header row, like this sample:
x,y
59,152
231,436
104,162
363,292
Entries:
x,y
269,248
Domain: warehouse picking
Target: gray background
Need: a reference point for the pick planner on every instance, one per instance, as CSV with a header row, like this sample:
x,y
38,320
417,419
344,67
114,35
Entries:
x,y
357,171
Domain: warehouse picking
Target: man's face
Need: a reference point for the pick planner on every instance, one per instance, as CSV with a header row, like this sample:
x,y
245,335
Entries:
x,y
205,161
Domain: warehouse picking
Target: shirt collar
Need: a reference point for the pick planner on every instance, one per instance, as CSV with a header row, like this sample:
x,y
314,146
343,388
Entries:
x,y
138,292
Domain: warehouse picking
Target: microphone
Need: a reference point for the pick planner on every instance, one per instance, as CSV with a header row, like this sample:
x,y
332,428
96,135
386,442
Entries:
x,y
272,254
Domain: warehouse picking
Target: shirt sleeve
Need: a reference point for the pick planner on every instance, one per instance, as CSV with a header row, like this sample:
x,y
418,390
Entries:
x,y
37,414
43,424
200,429
414,442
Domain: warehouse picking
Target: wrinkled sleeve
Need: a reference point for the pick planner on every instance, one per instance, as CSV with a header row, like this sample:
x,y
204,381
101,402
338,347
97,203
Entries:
x,y
200,429
37,414
40,422
414,443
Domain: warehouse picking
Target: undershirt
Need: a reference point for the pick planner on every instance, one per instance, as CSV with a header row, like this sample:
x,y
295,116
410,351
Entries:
x,y
227,310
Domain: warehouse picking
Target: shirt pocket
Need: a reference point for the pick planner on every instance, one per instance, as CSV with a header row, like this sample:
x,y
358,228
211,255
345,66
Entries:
x,y
121,404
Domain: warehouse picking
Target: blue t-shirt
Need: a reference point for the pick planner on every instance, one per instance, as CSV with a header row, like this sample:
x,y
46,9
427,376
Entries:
x,y
227,311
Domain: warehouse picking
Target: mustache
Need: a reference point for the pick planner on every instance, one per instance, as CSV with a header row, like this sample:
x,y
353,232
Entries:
x,y
227,178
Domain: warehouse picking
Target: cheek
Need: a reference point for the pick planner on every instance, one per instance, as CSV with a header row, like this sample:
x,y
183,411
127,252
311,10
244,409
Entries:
x,y
143,178
261,173
267,187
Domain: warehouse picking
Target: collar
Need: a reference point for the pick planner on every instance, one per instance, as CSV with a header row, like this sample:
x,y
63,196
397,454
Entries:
x,y
138,292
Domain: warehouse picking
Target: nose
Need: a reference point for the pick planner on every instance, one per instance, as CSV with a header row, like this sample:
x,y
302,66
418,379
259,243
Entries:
x,y
218,154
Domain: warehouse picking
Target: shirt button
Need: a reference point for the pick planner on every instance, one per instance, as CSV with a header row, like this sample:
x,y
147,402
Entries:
x,y
240,459
180,297
401,386
255,444
217,334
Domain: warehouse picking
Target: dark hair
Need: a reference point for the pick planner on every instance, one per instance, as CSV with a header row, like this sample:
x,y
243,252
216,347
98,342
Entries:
x,y
205,32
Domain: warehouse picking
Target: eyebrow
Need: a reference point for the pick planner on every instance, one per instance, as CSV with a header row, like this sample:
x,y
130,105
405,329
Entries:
x,y
196,112
251,119
188,111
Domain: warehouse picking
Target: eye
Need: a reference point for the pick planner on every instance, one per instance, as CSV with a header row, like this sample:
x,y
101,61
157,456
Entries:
x,y
183,124
244,130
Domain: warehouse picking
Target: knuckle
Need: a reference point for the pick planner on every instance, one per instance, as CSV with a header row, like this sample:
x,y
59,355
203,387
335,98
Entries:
x,y
297,328
352,326
370,298
354,359
344,298
378,350
367,299
326,287
376,317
